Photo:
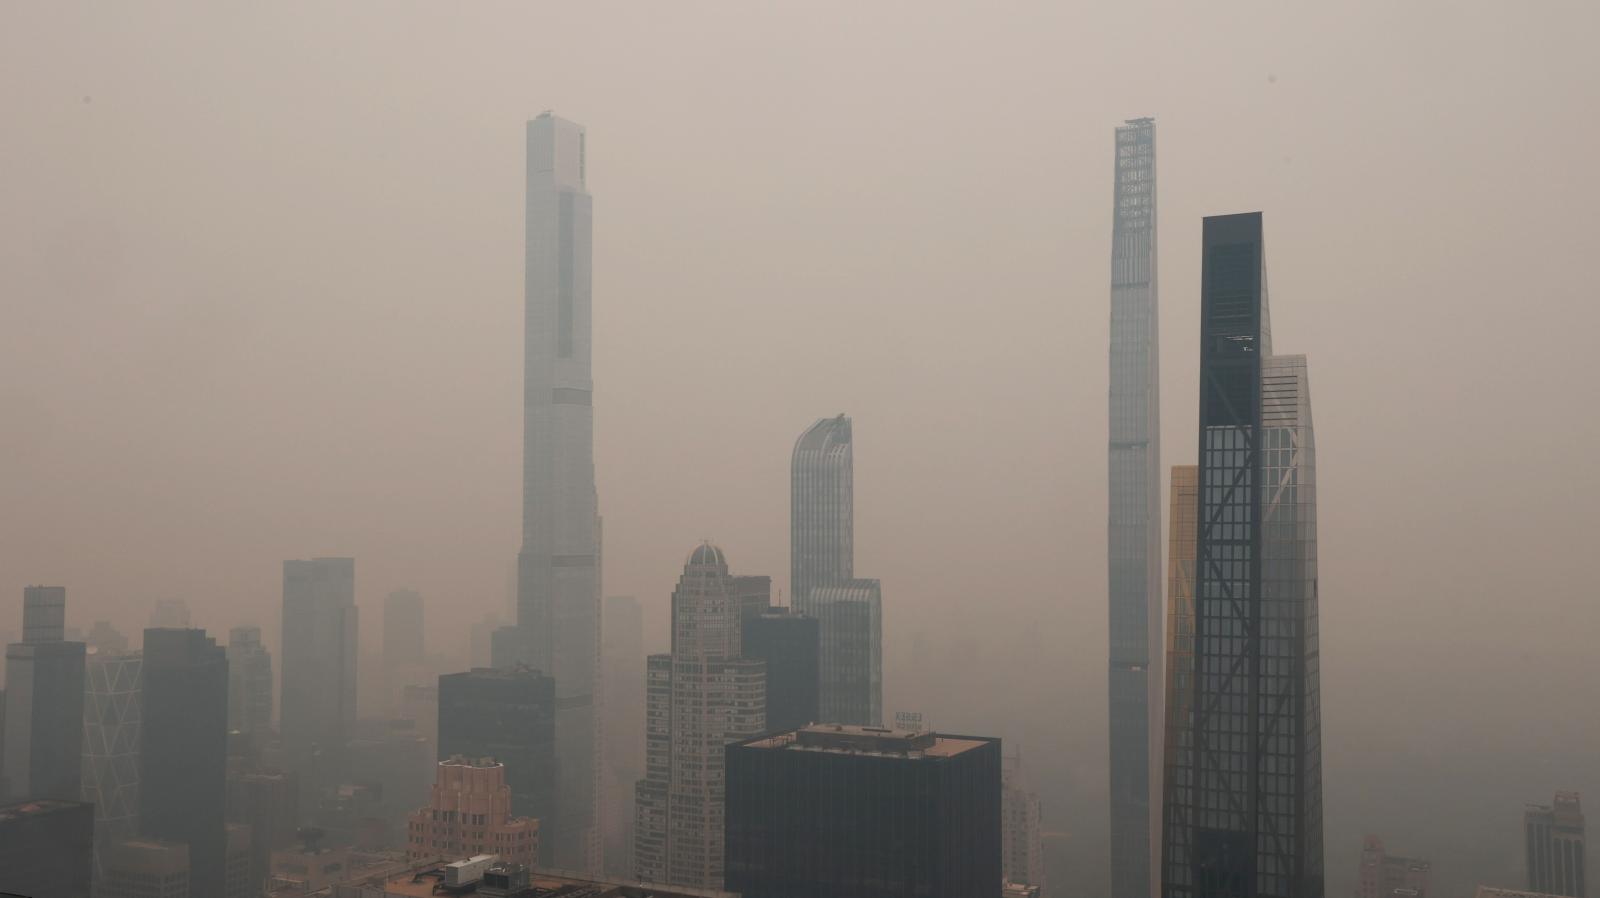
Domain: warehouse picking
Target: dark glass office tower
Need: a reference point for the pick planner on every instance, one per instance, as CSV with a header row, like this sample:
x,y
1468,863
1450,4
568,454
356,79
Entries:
x,y
42,747
558,568
1133,539
863,812
1243,815
183,758
788,643
508,715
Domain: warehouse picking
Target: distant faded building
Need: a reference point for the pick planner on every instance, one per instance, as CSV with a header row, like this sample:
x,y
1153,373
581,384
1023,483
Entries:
x,y
1555,846
1022,847
267,801
470,814
170,614
317,700
249,682
184,751
698,699
1385,875
46,848
43,739
863,812
488,878
623,664
508,715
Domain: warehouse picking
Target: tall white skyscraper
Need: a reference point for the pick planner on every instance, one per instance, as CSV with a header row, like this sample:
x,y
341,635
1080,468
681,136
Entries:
x,y
1133,543
558,569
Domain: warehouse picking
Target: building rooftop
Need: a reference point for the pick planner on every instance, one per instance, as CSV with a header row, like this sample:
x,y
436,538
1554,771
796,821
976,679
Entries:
x,y
841,738
427,880
35,808
1496,892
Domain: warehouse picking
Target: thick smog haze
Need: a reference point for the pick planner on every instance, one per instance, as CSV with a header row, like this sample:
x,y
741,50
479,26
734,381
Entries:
x,y
261,273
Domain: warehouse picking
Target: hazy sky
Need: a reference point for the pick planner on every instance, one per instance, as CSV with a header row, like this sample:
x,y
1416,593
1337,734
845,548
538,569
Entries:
x,y
260,298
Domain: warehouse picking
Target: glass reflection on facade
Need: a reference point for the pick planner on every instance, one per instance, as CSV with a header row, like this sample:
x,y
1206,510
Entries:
x,y
1243,814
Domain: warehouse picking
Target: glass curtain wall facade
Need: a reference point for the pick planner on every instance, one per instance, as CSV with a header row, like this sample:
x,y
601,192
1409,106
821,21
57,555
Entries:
x,y
1244,814
558,567
1133,544
849,610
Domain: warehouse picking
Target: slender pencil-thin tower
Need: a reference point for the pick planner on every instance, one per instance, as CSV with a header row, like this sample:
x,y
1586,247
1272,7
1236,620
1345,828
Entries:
x,y
1134,524
558,569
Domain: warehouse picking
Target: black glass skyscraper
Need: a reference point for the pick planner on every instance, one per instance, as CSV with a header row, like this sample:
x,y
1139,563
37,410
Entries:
x,y
1243,808
1133,538
183,758
508,715
788,643
863,812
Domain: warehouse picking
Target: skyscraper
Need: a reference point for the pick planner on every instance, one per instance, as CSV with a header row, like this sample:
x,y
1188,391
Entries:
x,y
704,695
1555,840
183,754
1384,875
1243,816
788,643
318,693
1133,540
822,577
402,628
558,568
863,812
622,640
43,735
1022,842
249,682
508,715
111,735
821,509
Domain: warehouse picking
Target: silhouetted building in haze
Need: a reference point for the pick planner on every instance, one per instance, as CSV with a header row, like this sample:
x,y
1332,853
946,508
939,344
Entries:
x,y
184,751
1555,846
1384,875
112,724
318,695
863,812
622,652
1243,815
788,643
249,682
43,736
508,715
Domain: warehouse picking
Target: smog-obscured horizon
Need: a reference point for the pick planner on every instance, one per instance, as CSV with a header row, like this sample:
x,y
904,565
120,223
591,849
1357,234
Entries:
x,y
261,271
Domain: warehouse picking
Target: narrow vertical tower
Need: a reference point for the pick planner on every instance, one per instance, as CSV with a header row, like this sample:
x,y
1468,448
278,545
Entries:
x,y
1133,539
849,610
558,573
1243,809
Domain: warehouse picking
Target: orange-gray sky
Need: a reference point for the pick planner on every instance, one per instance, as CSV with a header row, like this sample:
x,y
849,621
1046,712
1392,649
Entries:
x,y
260,298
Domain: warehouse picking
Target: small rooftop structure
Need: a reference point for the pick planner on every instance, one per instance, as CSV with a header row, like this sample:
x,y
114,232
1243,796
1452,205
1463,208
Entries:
x,y
852,739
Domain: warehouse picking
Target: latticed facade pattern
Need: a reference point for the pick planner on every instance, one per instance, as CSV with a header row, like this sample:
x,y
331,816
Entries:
x,y
111,722
1243,815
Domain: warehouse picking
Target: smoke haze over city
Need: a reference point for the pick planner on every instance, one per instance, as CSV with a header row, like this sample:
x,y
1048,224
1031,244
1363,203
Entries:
x,y
261,298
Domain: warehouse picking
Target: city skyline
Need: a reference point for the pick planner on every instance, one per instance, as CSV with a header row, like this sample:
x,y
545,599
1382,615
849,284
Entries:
x,y
264,305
